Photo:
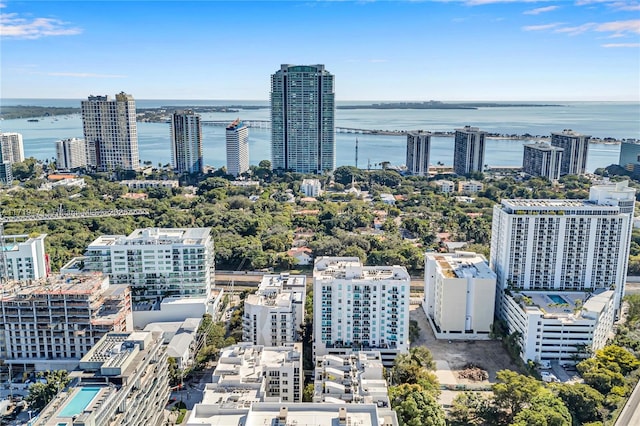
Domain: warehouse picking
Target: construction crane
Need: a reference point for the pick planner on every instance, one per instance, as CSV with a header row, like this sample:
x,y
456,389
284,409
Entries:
x,y
60,214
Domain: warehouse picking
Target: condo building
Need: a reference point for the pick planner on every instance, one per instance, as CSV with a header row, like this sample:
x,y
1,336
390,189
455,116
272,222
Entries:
x,y
71,154
360,307
311,187
275,313
418,150
122,381
111,132
470,186
630,156
459,295
51,324
560,326
303,119
575,149
468,150
186,142
543,160
237,148
12,147
157,262
24,258
579,245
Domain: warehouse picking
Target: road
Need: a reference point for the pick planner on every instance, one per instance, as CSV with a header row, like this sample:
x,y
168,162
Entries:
x,y
630,414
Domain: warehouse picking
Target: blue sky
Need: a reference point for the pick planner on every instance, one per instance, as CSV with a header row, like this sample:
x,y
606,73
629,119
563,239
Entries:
x,y
378,50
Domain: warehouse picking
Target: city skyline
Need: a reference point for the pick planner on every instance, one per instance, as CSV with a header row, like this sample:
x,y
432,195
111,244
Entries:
x,y
534,50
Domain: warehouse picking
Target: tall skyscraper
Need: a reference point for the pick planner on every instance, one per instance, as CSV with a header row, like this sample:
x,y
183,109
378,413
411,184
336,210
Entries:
x,y
576,147
418,150
111,132
468,155
12,147
6,171
237,148
541,159
186,142
577,245
302,119
630,156
71,154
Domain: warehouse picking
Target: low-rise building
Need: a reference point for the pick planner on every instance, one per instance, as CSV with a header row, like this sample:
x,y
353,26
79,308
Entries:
x,y
146,184
560,326
470,186
123,380
301,255
76,182
459,295
181,338
53,323
388,199
311,187
274,314
355,378
359,307
25,258
445,186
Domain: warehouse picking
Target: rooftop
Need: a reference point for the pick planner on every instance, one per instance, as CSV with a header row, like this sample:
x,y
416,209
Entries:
x,y
565,305
463,264
189,236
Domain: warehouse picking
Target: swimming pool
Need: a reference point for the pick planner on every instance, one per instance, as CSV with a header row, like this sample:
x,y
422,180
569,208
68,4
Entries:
x,y
556,298
79,402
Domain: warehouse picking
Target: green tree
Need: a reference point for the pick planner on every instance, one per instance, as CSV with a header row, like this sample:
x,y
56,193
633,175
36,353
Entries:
x,y
415,406
544,409
513,391
583,401
307,393
413,367
40,394
468,408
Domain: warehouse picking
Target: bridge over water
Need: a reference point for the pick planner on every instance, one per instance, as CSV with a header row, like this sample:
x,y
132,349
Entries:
x,y
266,124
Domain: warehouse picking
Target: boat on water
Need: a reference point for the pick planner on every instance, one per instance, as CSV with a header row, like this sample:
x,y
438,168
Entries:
x,y
33,120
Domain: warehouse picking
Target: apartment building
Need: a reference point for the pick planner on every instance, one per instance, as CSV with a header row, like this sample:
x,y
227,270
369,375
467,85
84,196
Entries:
x,y
275,313
24,258
541,159
459,295
630,156
418,151
237,138
53,323
274,373
360,307
157,262
122,381
71,154
560,326
311,187
111,132
445,186
468,150
470,186
12,147
575,149
355,378
303,119
147,184
564,245
186,142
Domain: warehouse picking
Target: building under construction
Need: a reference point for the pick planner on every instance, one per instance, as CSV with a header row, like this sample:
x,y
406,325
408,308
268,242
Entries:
x,y
52,323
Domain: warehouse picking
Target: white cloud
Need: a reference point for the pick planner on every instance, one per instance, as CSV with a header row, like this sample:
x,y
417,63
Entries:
x,y
542,27
540,10
620,27
579,29
631,5
80,74
614,45
2,5
13,26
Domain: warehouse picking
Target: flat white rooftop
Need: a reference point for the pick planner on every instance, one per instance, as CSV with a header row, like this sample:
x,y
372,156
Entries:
x,y
463,264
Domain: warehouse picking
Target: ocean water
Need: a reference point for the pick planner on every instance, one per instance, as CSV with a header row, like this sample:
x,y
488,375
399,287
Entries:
x,y
618,120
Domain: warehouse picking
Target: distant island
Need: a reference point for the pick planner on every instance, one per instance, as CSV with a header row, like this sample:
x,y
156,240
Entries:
x,y
440,105
28,111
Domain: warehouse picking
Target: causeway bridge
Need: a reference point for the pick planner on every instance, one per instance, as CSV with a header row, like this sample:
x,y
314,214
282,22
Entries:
x,y
266,124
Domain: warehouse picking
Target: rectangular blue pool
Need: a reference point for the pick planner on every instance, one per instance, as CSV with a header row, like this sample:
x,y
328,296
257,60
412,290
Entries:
x,y
556,298
79,402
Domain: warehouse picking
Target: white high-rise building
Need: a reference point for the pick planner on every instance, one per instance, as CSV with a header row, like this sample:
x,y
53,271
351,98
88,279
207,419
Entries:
x,y
418,150
157,262
303,119
541,159
186,142
358,307
275,313
576,148
71,154
459,295
25,258
111,132
12,147
578,245
237,148
468,152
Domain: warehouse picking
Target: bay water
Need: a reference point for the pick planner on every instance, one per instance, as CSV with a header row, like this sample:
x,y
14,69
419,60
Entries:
x,y
619,120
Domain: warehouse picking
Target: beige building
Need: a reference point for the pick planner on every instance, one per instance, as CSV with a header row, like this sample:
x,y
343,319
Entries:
x,y
459,294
